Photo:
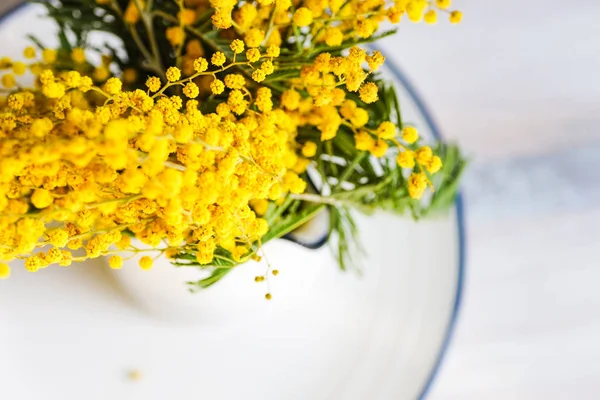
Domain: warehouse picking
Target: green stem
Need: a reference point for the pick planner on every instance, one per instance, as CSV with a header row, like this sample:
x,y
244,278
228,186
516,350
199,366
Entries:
x,y
350,168
307,216
278,211
147,19
316,198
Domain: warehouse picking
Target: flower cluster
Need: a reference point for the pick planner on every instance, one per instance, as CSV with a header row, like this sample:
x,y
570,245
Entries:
x,y
329,21
327,108
88,167
208,129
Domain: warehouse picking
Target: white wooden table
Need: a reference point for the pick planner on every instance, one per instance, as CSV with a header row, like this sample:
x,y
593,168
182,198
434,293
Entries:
x,y
517,85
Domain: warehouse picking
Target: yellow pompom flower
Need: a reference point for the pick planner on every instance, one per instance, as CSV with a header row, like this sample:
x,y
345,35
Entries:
x,y
40,127
410,134
130,75
236,102
260,206
368,92
406,159
223,110
205,252
115,262
175,35
218,59
29,52
58,237
222,18
424,155
273,51
72,79
254,37
200,64
364,141
5,62
360,118
4,271
146,263
263,99
191,90
303,17
290,99
153,84
41,198
124,243
375,60
235,81
113,86
414,10
101,73
434,165
54,90
356,54
394,13
237,46
187,16
217,86
9,81
132,13
443,4
19,68
386,130
258,75
253,55
430,17
46,76
66,258
274,38
173,74
267,67
333,36
309,149
246,15
379,148
417,183
455,17
15,101
49,55
78,55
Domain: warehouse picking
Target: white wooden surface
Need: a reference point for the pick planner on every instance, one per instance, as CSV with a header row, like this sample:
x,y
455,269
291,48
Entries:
x,y
515,77
519,79
517,85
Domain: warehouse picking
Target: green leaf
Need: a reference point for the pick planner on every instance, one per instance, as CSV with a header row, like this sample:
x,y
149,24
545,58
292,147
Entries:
x,y
36,41
290,222
214,277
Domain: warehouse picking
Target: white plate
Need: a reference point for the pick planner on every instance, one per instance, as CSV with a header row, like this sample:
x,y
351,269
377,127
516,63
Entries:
x,y
73,333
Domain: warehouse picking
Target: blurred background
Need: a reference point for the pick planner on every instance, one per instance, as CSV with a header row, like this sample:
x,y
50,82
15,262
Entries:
x,y
516,85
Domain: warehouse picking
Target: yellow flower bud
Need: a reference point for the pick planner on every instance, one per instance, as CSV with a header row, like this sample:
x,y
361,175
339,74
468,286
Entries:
x,y
303,17
146,263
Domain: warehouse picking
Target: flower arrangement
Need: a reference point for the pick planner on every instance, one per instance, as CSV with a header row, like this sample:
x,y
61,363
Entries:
x,y
214,128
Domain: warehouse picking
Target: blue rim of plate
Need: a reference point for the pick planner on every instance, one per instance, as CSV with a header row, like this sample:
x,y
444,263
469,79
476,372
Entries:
x,y
460,212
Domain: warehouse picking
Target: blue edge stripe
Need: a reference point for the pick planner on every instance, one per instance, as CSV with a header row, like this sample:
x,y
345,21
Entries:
x,y
460,214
